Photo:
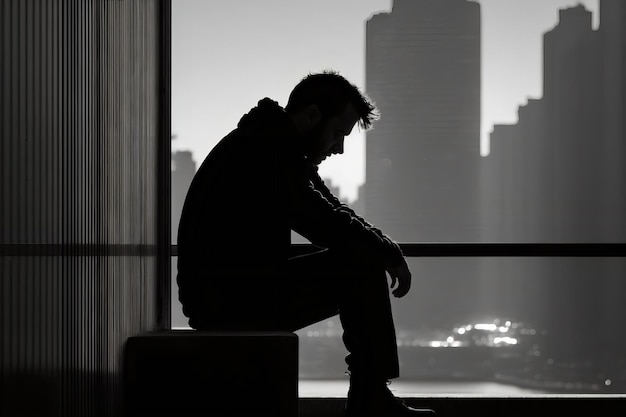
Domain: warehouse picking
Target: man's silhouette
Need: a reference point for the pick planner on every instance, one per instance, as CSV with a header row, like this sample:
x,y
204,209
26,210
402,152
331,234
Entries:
x,y
260,182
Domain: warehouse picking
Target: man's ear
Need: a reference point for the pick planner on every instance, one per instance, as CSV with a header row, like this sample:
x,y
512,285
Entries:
x,y
312,115
307,119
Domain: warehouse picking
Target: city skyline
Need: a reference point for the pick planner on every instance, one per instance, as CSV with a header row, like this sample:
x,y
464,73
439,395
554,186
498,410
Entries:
x,y
205,108
557,175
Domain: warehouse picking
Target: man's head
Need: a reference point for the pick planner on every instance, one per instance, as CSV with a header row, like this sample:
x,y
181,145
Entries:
x,y
325,107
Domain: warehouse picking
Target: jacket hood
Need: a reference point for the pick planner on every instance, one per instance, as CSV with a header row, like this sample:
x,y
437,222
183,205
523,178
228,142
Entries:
x,y
267,114
268,119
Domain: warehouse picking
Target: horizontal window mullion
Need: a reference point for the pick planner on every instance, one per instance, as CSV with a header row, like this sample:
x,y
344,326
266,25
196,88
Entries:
x,y
489,249
77,250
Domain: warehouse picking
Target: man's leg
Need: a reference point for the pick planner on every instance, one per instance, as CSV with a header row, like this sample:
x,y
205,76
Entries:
x,y
312,288
320,285
326,282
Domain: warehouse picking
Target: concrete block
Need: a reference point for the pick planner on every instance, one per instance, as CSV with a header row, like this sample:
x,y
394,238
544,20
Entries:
x,y
199,373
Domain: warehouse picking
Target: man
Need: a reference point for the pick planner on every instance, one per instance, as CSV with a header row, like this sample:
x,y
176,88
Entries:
x,y
235,271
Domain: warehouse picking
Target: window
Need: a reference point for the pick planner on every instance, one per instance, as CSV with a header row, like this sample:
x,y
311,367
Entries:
x,y
499,155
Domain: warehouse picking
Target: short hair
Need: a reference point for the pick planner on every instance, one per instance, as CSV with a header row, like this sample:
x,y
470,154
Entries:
x,y
331,93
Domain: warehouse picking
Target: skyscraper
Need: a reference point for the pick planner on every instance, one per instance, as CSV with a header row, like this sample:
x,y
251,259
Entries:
x,y
423,155
558,176
422,158
613,33
572,94
183,171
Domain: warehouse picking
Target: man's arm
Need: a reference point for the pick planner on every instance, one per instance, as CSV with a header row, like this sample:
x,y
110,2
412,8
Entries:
x,y
320,217
399,273
319,185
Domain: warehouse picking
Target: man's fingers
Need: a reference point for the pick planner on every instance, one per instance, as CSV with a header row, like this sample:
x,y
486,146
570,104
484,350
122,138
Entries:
x,y
400,292
403,288
402,276
394,280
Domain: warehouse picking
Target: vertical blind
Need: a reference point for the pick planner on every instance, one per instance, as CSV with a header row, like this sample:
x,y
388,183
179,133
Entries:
x,y
84,220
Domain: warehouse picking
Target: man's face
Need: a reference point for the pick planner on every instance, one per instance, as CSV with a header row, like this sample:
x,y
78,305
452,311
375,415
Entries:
x,y
327,138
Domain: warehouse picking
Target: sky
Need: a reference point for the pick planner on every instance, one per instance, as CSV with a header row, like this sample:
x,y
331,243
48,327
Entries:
x,y
228,54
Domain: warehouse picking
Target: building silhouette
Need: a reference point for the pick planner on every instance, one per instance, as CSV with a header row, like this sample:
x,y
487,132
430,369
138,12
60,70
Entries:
x,y
613,33
183,171
423,155
557,175
422,158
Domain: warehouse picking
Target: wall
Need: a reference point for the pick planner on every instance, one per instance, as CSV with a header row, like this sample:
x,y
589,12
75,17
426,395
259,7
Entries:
x,y
84,220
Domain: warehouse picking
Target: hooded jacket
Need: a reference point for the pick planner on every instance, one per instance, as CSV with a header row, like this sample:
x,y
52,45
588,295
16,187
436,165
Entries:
x,y
253,188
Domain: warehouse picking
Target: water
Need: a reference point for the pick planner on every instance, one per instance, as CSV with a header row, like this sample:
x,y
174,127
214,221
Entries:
x,y
338,388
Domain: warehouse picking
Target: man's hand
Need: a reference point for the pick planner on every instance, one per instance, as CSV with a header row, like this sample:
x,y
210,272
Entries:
x,y
400,275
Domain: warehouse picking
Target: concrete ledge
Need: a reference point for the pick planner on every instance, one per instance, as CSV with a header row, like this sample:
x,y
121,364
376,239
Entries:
x,y
193,373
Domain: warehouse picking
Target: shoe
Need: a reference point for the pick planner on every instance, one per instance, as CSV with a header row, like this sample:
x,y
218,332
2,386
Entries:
x,y
380,402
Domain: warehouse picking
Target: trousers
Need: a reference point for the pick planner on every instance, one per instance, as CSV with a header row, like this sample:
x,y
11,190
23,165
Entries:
x,y
310,288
